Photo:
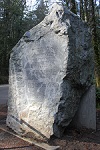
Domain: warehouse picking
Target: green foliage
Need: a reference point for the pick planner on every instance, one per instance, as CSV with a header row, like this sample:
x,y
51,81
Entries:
x,y
14,22
10,30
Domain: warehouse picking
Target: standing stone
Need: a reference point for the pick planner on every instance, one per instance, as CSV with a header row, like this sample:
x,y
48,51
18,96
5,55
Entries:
x,y
85,117
51,67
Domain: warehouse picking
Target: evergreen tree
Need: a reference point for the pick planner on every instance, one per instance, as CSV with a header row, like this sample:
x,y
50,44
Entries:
x,y
10,30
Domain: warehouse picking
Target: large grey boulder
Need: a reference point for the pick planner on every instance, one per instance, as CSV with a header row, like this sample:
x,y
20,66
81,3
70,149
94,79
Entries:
x,y
51,67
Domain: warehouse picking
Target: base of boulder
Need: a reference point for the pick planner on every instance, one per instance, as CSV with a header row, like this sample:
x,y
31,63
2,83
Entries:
x,y
86,114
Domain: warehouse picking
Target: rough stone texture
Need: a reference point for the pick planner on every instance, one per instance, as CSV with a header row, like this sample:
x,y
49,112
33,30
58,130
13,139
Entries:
x,y
51,67
86,114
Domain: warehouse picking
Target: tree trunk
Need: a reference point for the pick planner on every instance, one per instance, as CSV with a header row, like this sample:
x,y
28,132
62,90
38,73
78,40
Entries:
x,y
86,10
82,10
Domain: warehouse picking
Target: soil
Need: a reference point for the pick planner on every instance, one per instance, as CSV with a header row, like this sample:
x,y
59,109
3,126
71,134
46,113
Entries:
x,y
73,139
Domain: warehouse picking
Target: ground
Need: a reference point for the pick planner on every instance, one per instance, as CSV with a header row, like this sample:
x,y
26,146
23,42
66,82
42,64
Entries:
x,y
72,140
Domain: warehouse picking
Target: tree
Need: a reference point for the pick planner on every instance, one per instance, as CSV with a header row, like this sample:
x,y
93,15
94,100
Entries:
x,y
14,22
86,10
82,10
34,17
92,24
10,30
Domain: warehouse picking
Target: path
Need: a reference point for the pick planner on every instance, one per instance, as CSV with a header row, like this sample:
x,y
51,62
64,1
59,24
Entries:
x,y
4,93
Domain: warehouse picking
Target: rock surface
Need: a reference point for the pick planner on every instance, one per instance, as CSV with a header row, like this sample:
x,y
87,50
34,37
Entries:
x,y
51,67
85,117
